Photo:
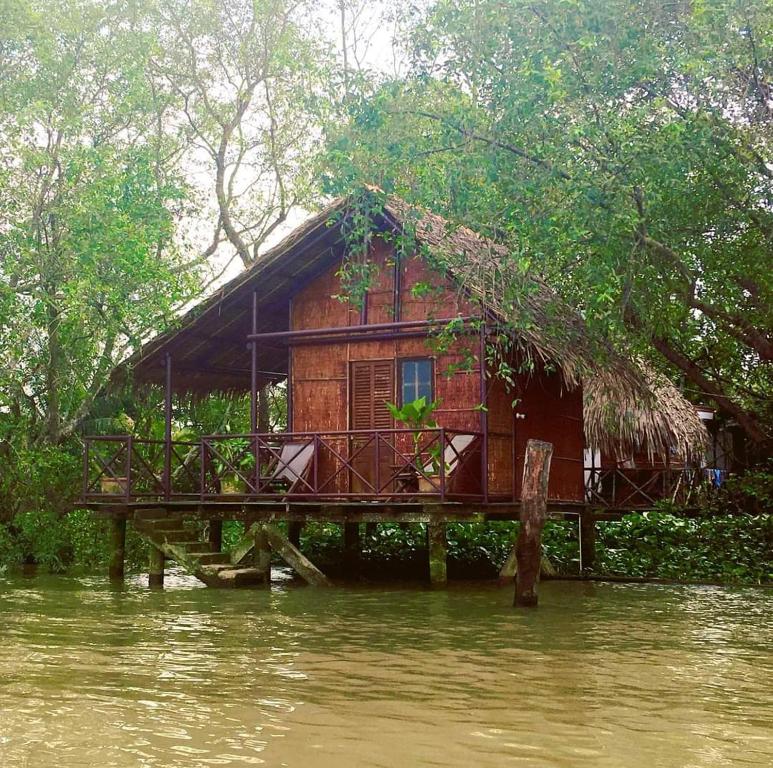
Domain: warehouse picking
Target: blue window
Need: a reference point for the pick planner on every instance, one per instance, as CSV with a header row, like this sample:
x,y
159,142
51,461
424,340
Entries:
x,y
416,379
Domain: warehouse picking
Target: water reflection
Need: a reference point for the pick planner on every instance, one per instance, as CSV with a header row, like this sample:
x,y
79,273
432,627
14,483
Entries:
x,y
600,675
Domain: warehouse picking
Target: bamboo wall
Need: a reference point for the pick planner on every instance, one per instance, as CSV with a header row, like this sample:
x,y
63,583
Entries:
x,y
320,374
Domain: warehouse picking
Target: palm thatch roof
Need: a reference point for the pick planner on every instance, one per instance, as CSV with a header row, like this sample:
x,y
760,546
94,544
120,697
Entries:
x,y
627,407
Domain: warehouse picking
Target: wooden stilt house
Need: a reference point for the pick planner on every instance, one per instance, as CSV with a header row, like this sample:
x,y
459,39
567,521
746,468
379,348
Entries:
x,y
443,314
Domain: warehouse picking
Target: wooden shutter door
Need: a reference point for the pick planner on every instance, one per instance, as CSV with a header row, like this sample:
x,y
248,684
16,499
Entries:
x,y
372,386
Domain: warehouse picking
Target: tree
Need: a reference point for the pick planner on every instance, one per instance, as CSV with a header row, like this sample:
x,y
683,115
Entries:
x,y
624,145
245,86
87,256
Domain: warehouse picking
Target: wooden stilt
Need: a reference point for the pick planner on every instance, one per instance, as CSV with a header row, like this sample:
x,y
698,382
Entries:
x,y
156,568
587,540
294,533
117,548
262,554
216,535
534,498
438,551
352,549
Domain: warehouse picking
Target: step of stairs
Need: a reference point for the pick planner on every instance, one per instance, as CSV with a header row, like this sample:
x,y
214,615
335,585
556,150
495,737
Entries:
x,y
210,558
187,538
196,555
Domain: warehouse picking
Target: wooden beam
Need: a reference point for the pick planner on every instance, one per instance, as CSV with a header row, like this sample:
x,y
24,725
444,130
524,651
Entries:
x,y
352,549
117,548
294,558
534,495
155,568
437,545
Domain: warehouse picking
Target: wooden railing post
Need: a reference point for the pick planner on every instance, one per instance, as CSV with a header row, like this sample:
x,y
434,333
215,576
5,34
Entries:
x,y
443,464
377,456
129,449
168,428
202,467
534,497
315,464
85,488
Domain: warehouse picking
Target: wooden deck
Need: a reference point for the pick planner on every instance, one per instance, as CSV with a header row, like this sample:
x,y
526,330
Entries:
x,y
331,512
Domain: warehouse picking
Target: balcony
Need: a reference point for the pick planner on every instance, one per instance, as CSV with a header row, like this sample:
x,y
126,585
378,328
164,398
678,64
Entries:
x,y
394,465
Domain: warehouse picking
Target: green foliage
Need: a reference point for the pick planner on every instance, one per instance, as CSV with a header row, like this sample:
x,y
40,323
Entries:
x,y
87,213
727,549
417,415
38,480
618,148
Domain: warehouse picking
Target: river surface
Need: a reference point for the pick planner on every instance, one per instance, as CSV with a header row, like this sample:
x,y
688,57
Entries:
x,y
600,675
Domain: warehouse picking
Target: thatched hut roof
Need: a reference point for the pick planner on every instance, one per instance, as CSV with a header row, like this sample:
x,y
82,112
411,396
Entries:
x,y
626,408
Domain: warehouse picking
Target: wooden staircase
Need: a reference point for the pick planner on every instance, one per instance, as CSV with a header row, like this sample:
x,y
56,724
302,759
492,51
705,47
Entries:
x,y
195,555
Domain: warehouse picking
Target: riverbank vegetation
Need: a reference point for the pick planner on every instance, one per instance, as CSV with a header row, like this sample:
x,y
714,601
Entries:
x,y
621,149
711,548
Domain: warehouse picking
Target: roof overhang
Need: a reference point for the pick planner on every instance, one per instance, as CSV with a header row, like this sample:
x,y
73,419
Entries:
x,y
208,346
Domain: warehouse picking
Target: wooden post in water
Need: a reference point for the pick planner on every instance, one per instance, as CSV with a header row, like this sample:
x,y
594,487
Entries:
x,y
437,544
587,540
117,548
216,535
156,568
262,554
294,533
352,549
534,504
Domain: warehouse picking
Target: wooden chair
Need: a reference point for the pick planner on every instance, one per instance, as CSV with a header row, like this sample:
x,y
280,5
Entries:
x,y
456,453
291,468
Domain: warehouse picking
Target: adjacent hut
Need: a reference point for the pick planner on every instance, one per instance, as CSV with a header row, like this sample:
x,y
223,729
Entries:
x,y
362,311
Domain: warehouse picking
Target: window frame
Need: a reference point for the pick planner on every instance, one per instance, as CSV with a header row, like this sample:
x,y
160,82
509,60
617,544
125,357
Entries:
x,y
414,359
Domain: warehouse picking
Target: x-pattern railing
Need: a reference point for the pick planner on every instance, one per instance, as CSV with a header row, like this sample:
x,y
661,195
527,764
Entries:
x,y
370,464
618,487
123,465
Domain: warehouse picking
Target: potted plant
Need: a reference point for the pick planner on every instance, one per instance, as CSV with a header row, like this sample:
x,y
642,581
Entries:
x,y
417,415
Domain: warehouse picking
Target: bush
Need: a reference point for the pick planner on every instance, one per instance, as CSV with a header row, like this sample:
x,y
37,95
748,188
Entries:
x,y
727,548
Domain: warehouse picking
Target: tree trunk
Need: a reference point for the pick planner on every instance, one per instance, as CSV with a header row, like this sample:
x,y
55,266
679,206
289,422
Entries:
x,y
264,424
534,503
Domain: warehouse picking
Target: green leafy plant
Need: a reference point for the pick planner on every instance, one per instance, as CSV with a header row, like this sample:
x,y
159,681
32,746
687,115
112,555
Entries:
x,y
417,415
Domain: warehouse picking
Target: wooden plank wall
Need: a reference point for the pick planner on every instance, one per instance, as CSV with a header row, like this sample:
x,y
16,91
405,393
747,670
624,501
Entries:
x,y
552,413
320,380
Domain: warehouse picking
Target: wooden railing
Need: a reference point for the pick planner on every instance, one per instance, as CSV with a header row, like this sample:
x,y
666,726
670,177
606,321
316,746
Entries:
x,y
622,488
388,464
135,468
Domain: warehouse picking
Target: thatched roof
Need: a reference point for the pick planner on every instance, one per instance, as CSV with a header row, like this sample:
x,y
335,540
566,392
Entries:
x,y
626,408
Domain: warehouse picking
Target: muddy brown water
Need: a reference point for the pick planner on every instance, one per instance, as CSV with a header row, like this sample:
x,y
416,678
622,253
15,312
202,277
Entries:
x,y
600,675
